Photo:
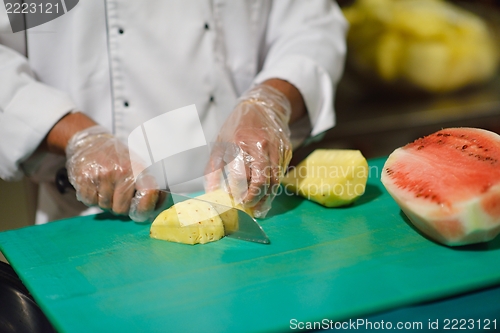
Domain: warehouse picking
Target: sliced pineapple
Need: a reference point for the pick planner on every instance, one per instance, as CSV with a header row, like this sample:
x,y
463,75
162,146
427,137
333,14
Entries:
x,y
330,177
188,222
197,221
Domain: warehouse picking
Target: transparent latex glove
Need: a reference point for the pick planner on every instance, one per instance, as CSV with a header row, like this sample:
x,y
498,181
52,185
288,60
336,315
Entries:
x,y
252,150
100,170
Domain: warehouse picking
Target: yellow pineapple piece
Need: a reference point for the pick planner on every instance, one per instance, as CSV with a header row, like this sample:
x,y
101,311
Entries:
x,y
388,55
427,65
330,177
197,221
230,216
188,222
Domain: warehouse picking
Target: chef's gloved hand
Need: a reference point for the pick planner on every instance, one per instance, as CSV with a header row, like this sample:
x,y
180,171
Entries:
x,y
253,148
100,170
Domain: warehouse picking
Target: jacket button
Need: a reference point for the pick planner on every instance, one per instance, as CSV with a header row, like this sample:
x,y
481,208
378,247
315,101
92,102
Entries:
x,y
212,98
121,31
125,104
207,26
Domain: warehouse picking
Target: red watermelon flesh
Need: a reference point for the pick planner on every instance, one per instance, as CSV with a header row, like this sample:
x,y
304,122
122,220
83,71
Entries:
x,y
448,184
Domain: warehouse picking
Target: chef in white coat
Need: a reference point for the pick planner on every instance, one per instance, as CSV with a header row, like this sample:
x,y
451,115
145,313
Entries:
x,y
261,74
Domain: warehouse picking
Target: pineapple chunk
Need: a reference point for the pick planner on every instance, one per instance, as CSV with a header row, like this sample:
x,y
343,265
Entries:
x,y
197,222
188,222
230,216
329,177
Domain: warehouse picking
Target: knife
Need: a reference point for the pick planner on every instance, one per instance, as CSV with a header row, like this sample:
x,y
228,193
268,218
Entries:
x,y
247,228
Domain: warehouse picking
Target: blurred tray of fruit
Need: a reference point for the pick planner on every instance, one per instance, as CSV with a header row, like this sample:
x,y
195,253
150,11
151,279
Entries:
x,y
424,46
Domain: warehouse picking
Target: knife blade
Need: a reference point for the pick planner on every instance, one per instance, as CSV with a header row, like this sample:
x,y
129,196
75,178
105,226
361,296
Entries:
x,y
246,228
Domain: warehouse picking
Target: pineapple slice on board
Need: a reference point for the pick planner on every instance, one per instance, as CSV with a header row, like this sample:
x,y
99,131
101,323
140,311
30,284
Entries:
x,y
188,222
330,177
197,221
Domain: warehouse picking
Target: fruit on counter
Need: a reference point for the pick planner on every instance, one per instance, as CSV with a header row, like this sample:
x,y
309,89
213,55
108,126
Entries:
x,y
197,221
431,44
330,177
448,184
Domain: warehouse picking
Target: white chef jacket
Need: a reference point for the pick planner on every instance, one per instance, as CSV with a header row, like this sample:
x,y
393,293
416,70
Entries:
x,y
124,62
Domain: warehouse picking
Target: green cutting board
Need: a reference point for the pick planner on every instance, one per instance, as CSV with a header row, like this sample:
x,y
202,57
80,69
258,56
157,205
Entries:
x,y
102,274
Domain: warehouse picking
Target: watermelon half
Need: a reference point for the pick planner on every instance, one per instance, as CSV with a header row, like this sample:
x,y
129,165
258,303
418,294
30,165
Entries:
x,y
448,184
